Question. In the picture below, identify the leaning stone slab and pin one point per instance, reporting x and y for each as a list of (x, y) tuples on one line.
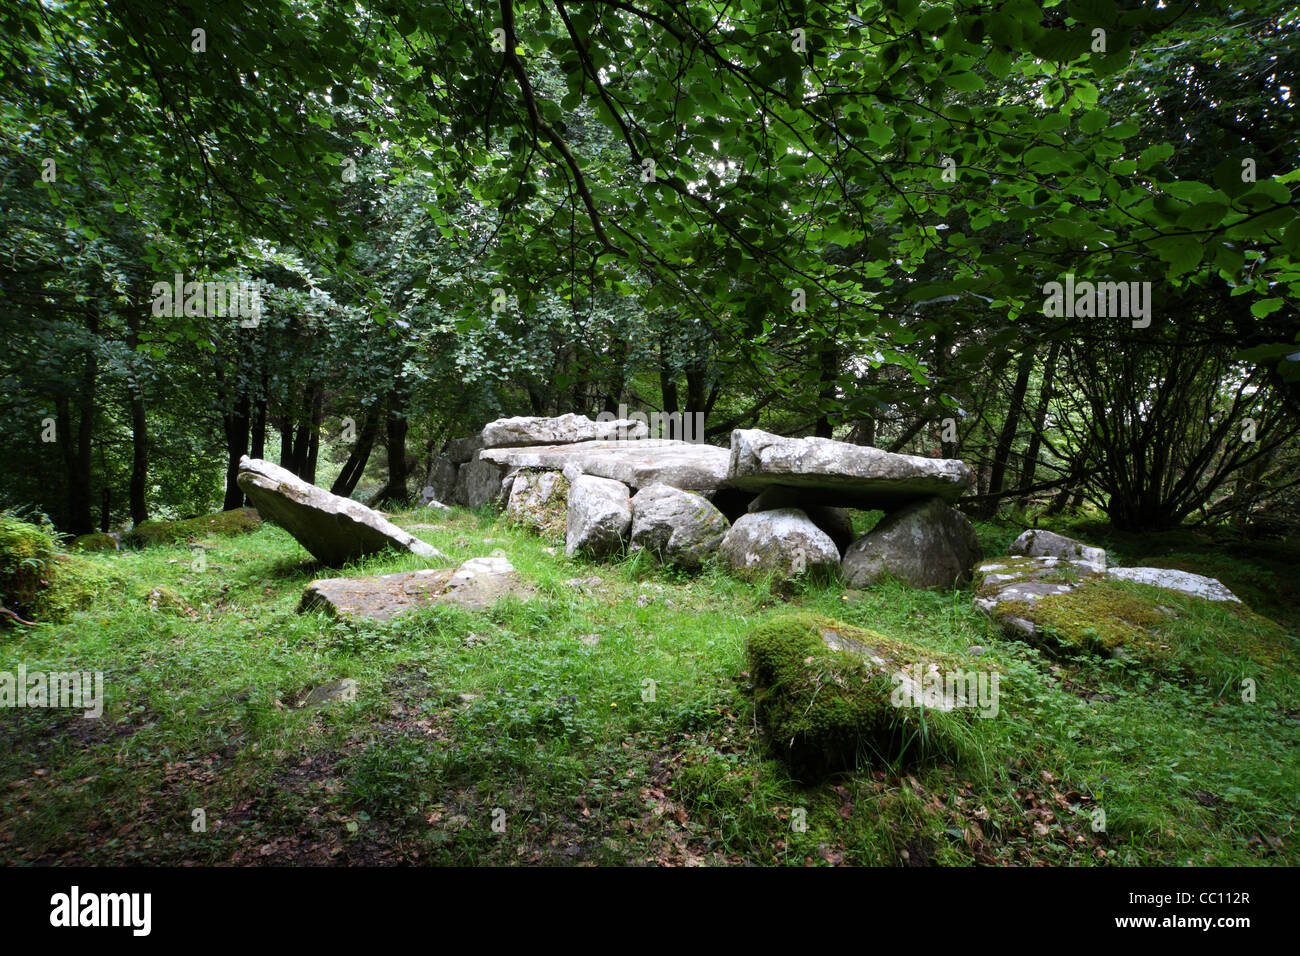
[(845, 475), (784, 543), (638, 464), (1196, 585), (679, 527), (561, 430), (477, 584), (598, 516), (929, 544), (1047, 544), (335, 530)]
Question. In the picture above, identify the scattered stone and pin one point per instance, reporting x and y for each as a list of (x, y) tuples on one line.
[(679, 527), (827, 694), (928, 544), (582, 584), (335, 530), (591, 640), (477, 584), (844, 475), (345, 690), (429, 499), (975, 650), (1047, 544), (1196, 585), (598, 516), (783, 543), (644, 600), (638, 464), (561, 430)]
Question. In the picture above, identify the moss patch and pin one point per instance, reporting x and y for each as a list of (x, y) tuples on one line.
[(235, 521), (829, 708), (27, 552), (94, 542), (1212, 640)]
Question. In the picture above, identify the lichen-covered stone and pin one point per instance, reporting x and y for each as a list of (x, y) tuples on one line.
[(679, 527), (783, 544), (1036, 543), (537, 502), (598, 516)]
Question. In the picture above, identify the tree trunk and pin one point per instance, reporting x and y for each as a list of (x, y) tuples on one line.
[(355, 466), (1040, 421), (1002, 452), (139, 430)]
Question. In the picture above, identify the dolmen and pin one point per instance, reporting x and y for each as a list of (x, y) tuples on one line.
[(767, 506)]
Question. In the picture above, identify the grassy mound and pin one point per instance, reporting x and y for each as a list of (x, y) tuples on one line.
[(825, 693), (235, 521), (94, 542), (37, 580)]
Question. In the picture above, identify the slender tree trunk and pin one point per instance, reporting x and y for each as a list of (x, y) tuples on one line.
[(355, 466), (1002, 452), (76, 451), (139, 429), (828, 360), (1040, 422)]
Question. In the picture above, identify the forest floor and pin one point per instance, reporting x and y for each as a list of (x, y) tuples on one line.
[(527, 735)]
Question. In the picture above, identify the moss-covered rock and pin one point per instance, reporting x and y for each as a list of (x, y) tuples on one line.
[(539, 501), (39, 581), (234, 521), (27, 552), (94, 542), (1063, 608), (825, 693)]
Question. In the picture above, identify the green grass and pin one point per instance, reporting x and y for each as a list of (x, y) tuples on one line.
[(640, 748)]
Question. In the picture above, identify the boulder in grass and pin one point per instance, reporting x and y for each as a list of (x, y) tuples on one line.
[(843, 475), (834, 521), (598, 516), (834, 697), (1048, 544), (679, 527), (928, 544), (1185, 582), (335, 530), (477, 584), (783, 543)]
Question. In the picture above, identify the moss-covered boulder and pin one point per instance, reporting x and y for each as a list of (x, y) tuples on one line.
[(234, 521), (539, 502), (27, 552), (37, 580), (1064, 606), (94, 542), (834, 697)]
